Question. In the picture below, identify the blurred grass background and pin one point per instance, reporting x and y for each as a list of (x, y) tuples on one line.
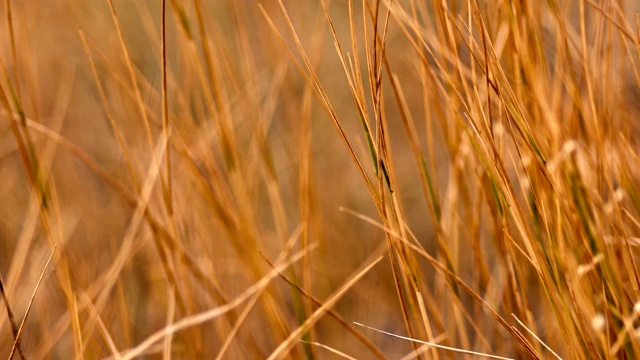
[(521, 183)]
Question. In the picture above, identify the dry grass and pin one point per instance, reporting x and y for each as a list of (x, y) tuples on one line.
[(244, 179)]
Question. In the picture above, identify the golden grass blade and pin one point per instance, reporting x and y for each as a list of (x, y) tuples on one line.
[(448, 348), (536, 337), (132, 75), (283, 349), (329, 348), (12, 319), (33, 296), (171, 312), (105, 332), (376, 351), (424, 348), (245, 312), (211, 314)]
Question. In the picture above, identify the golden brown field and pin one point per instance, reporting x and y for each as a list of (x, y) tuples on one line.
[(220, 179)]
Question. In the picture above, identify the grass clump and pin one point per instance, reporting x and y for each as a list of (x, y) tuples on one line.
[(306, 179)]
